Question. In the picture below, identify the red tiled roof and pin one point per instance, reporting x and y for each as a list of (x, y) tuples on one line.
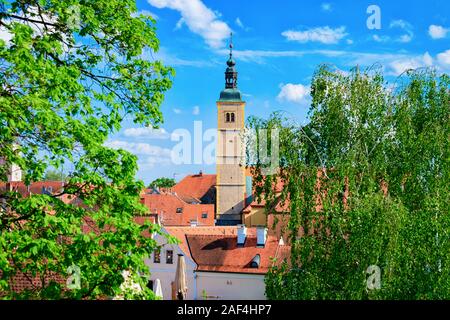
[(279, 207), (142, 219), (250, 172), (26, 281), (277, 224), (166, 205), (181, 232), (280, 213), (218, 253), (195, 186), (34, 187)]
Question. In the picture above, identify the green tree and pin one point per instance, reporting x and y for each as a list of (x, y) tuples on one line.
[(162, 183), (70, 72), (52, 175), (376, 157)]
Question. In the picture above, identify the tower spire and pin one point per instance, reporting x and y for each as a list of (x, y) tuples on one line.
[(230, 72), (231, 91), (231, 45)]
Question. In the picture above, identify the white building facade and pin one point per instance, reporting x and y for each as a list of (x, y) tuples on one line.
[(205, 284), (165, 269)]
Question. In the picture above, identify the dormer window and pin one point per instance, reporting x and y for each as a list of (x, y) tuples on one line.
[(47, 190), (255, 262), (179, 210)]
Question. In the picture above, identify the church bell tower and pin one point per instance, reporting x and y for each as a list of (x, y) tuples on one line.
[(230, 149)]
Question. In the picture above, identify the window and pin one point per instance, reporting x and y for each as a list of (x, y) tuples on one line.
[(204, 215), (255, 261), (179, 210), (229, 117), (157, 256), (169, 256)]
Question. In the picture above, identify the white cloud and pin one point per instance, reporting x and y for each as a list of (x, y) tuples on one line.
[(427, 59), (196, 110), (177, 111), (239, 23), (5, 35), (146, 13), (296, 93), (199, 19), (38, 29), (325, 35), (401, 65), (147, 132), (259, 55), (437, 32), (405, 38), (179, 24), (398, 23), (394, 63), (151, 162), (406, 27), (378, 38), (144, 149), (173, 60), (444, 59), (326, 7)]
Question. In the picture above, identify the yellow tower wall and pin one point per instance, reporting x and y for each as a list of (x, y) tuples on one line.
[(230, 161)]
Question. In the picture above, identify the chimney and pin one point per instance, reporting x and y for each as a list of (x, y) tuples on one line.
[(200, 173), (158, 219), (241, 234), (261, 236)]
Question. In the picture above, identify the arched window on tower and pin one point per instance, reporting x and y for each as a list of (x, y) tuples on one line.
[(232, 117), (227, 117)]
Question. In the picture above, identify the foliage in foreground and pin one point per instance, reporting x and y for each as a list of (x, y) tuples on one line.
[(70, 72), (162, 183), (377, 158)]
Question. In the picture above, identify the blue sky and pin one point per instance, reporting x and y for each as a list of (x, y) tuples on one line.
[(277, 46)]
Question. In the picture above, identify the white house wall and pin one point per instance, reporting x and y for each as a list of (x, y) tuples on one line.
[(230, 286), (166, 272), (216, 285)]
